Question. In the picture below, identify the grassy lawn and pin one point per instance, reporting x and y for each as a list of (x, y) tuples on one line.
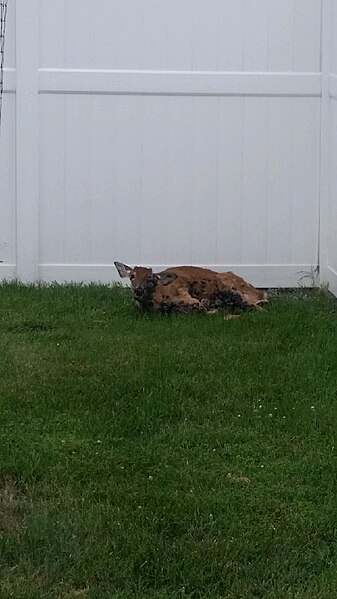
[(152, 457)]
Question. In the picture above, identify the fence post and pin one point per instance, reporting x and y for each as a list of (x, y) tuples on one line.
[(27, 139), (325, 143)]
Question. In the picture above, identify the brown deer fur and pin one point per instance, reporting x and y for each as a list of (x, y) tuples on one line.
[(190, 289)]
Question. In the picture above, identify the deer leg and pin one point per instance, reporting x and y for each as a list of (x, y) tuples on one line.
[(184, 303)]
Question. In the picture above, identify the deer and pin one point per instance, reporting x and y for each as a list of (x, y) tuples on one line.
[(189, 289)]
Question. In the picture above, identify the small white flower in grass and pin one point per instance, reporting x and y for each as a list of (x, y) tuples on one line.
[(262, 465), (63, 441), (284, 417), (312, 407), (98, 441), (150, 477), (270, 415), (260, 406), (239, 415)]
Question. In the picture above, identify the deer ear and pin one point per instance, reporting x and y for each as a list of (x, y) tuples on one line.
[(124, 271), (165, 278)]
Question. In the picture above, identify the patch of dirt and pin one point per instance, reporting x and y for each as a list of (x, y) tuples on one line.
[(239, 480), (29, 327), (25, 583), (66, 592), (13, 503)]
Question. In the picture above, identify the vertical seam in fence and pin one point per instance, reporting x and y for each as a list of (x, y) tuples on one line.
[(27, 139), (323, 241)]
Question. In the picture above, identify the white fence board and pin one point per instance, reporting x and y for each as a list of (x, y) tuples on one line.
[(8, 158), (10, 35), (332, 263), (209, 35), (7, 179), (328, 228), (333, 37), (116, 191), (191, 83), (27, 140)]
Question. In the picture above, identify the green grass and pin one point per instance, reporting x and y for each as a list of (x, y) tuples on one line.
[(152, 457)]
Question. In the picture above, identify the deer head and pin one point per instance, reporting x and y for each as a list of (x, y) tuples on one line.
[(143, 280)]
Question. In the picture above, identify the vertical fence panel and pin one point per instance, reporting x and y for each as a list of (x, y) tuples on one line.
[(27, 136), (328, 210)]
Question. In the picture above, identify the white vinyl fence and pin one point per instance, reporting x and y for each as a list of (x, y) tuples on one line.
[(328, 246), (165, 132)]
